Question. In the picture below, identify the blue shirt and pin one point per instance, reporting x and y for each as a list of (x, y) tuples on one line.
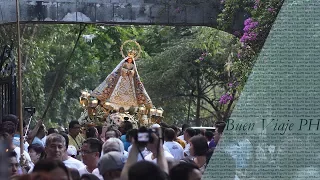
[(126, 144), (212, 144), (37, 140), (16, 142)]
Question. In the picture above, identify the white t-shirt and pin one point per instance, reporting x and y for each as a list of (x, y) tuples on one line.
[(145, 152), (175, 149), (95, 172), (73, 163), (165, 148), (149, 157), (26, 156), (187, 149)]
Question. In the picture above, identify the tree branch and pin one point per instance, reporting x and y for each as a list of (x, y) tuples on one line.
[(61, 73), (211, 112)]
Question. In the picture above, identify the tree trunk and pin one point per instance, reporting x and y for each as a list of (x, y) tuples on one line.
[(198, 98)]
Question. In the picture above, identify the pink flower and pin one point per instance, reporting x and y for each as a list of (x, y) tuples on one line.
[(247, 21), (248, 34), (224, 99)]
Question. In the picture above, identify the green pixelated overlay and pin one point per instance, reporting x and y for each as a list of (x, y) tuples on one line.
[(274, 130)]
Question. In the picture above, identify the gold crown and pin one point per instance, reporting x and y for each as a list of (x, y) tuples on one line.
[(132, 53)]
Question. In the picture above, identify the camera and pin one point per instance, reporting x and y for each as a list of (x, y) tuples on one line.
[(144, 136), (30, 110)]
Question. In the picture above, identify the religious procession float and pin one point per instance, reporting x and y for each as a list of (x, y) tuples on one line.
[(121, 96)]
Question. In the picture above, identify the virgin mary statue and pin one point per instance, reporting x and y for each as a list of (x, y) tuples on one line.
[(123, 87)]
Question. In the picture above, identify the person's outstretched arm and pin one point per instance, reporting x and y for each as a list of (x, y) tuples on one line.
[(132, 158), (161, 159)]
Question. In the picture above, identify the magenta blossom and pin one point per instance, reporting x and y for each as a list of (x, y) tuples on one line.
[(247, 21), (248, 34), (224, 99)]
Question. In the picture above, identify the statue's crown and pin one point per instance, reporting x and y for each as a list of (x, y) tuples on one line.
[(132, 53)]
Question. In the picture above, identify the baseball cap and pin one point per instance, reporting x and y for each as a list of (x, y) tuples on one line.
[(72, 151), (111, 161)]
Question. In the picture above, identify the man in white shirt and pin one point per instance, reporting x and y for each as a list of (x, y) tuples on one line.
[(174, 148), (153, 147), (90, 153), (188, 134), (69, 161), (55, 149), (143, 150), (184, 127), (153, 156)]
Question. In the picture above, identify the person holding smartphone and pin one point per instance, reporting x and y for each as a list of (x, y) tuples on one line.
[(156, 145)]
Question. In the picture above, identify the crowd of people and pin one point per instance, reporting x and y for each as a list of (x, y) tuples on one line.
[(158, 152)]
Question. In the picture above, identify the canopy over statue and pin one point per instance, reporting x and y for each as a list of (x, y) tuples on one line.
[(123, 87)]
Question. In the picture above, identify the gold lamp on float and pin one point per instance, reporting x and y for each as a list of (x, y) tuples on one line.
[(158, 117), (153, 111), (84, 98), (159, 112), (107, 107), (142, 109), (107, 103), (93, 103), (141, 114)]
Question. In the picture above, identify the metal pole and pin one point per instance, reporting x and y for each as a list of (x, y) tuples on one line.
[(19, 82)]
